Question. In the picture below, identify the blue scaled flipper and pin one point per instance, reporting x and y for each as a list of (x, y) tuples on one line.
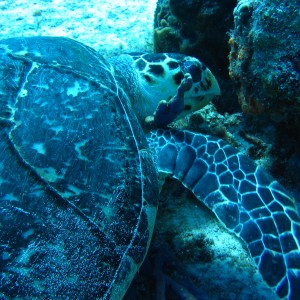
[(248, 201)]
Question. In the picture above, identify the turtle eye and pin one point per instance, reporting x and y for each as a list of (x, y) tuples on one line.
[(196, 90), (187, 107)]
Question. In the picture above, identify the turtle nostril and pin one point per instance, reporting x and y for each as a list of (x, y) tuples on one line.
[(196, 90)]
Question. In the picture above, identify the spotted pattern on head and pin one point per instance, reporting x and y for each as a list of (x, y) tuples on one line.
[(162, 73)]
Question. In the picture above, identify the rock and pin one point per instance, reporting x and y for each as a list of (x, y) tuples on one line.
[(265, 56)]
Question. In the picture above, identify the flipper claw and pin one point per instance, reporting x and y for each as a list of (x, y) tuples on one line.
[(166, 112)]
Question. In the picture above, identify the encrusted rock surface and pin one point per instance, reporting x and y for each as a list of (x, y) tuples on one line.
[(265, 56)]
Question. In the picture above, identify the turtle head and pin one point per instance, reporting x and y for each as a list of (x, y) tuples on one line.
[(162, 73)]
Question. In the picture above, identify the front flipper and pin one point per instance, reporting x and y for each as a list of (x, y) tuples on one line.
[(248, 201), (167, 111)]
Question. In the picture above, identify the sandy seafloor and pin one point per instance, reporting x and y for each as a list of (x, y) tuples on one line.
[(112, 27)]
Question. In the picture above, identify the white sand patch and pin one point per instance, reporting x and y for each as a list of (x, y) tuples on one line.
[(111, 27)]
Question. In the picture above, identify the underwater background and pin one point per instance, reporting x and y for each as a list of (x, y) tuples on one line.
[(253, 48)]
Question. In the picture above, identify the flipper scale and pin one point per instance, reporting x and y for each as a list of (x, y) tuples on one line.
[(247, 200)]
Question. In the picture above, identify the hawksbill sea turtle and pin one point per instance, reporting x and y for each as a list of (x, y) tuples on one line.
[(79, 178)]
